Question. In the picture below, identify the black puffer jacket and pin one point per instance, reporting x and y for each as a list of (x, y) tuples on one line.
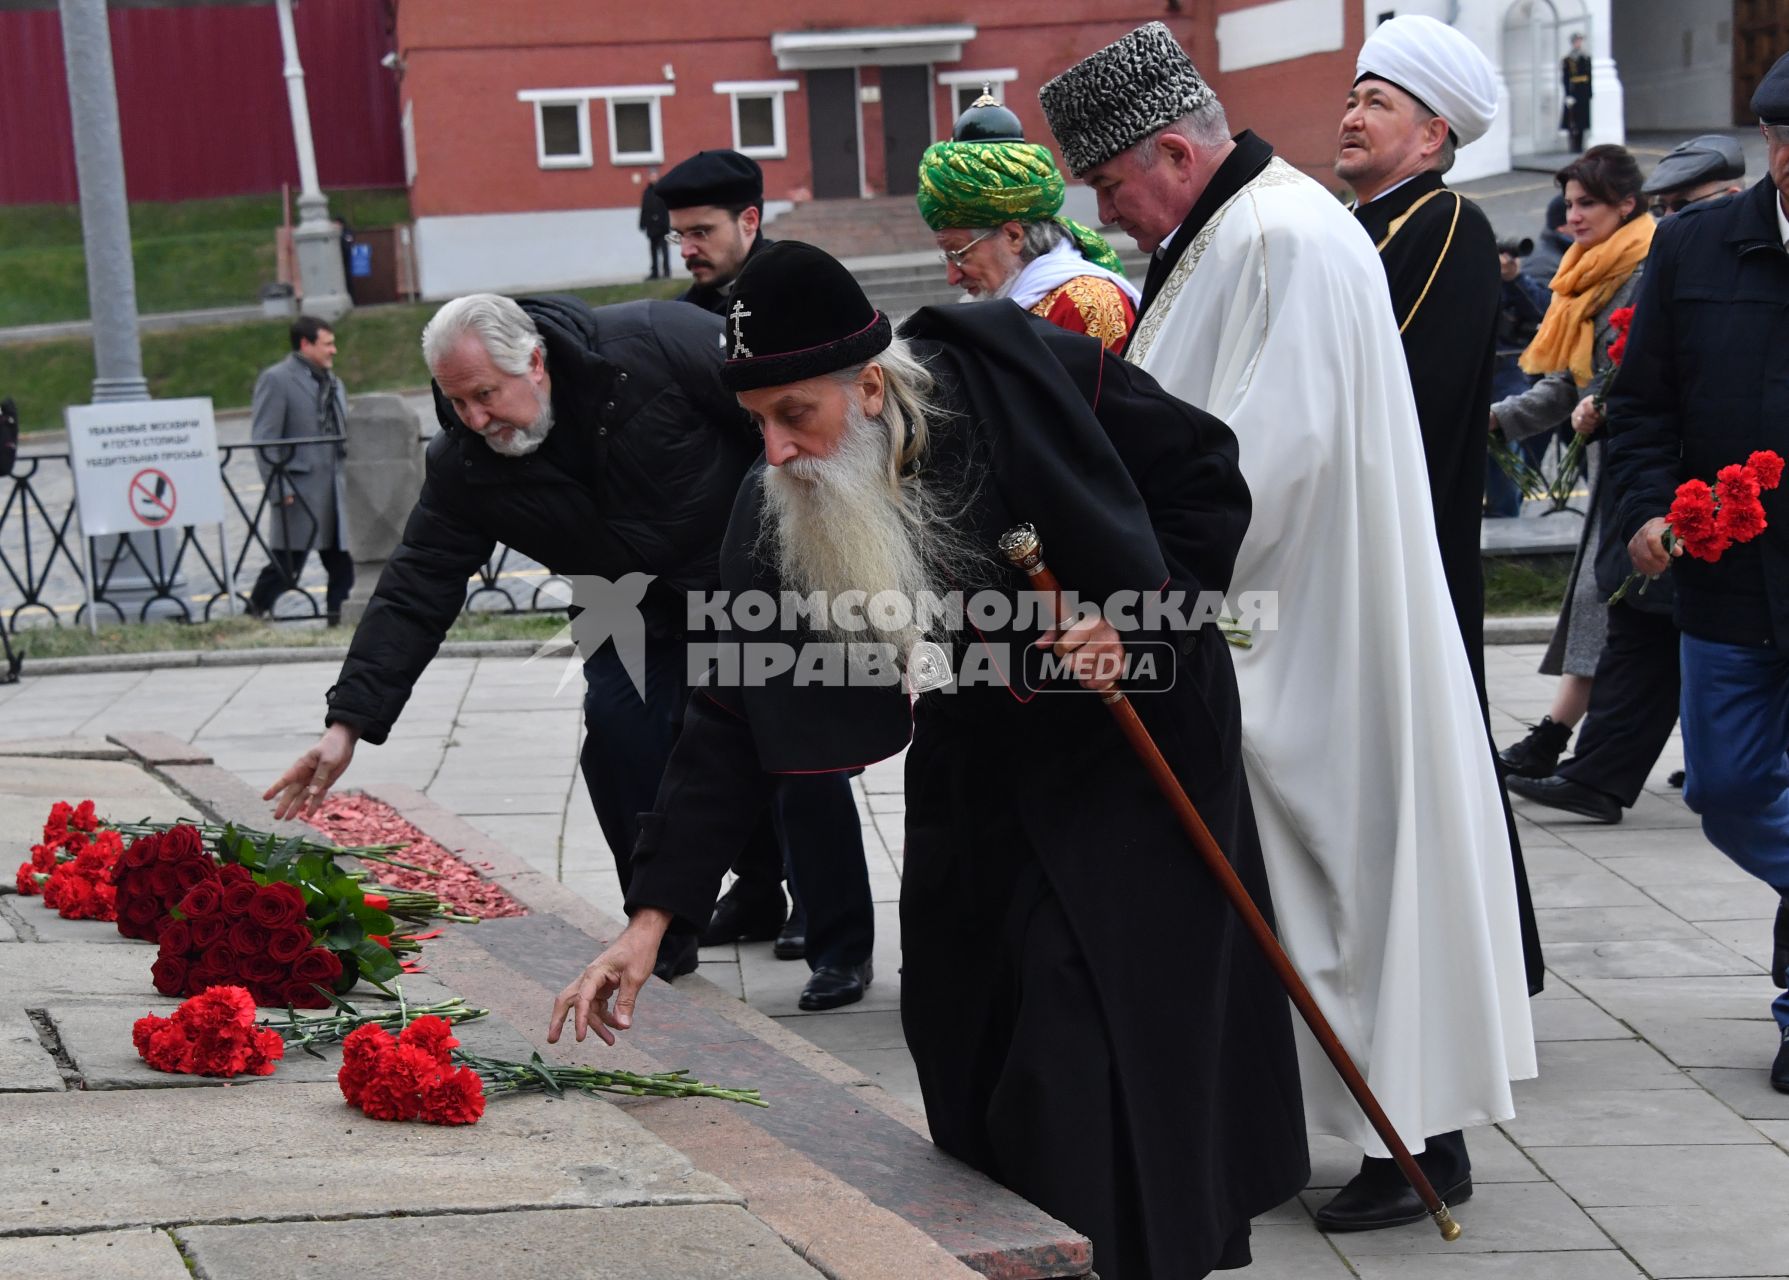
[(1705, 383), (637, 475)]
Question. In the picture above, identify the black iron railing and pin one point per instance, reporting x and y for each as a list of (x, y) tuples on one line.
[(43, 567)]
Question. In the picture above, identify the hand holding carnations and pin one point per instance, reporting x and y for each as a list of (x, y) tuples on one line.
[(1703, 521)]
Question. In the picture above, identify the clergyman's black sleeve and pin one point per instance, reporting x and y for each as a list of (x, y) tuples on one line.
[(711, 798)]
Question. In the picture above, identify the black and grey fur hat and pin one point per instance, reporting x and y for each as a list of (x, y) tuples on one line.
[(1112, 100)]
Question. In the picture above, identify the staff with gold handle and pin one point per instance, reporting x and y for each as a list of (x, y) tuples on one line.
[(1023, 548)]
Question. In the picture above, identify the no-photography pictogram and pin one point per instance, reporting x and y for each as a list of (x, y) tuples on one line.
[(152, 497)]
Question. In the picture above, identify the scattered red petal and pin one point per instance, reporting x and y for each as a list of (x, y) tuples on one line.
[(361, 820)]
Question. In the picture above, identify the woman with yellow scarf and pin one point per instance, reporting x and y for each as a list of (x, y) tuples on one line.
[(1599, 275)]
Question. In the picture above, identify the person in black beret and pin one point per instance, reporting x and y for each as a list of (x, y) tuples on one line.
[(716, 199), (1705, 384), (1046, 886)]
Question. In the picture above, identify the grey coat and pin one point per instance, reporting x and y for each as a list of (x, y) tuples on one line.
[(1584, 621), (293, 403)]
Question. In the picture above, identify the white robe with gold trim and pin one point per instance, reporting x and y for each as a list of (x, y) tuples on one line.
[(1366, 755)]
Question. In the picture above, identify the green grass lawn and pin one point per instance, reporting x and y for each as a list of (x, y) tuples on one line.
[(378, 351), (189, 255)]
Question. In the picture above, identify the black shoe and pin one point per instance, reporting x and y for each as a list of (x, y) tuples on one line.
[(1537, 755), (792, 942), (1562, 793), (676, 956), (1779, 1070), (737, 919), (834, 985), (1675, 780), (1370, 1202), (1779, 945)]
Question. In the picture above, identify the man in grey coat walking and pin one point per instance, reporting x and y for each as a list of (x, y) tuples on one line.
[(301, 400)]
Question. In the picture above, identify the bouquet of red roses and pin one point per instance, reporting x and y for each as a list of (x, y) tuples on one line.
[(229, 930), (1706, 521), (212, 1034), (155, 873)]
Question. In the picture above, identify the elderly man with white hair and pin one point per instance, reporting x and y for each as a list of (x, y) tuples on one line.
[(600, 443)]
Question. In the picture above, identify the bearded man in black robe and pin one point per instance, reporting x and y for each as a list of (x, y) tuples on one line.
[(1047, 886)]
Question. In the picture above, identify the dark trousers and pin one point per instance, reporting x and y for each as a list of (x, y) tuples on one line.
[(660, 249), (827, 874), (1633, 705), (282, 572), (626, 744)]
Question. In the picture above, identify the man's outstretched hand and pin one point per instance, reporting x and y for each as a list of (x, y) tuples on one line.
[(301, 788), (619, 972)]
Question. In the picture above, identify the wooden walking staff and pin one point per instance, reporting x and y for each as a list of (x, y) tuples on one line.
[(1021, 546)]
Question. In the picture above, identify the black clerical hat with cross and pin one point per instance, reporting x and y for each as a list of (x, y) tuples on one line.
[(796, 314)]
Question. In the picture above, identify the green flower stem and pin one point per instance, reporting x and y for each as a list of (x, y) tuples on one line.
[(523, 1077), (307, 1030)]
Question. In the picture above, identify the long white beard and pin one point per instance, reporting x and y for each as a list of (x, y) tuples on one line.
[(837, 525), (524, 439)]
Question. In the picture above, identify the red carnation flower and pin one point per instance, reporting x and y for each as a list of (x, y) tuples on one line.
[(55, 827), (361, 1051), (1767, 466), (277, 904), (84, 818), (142, 1029), (26, 883), (43, 857), (434, 1036), (456, 1097)]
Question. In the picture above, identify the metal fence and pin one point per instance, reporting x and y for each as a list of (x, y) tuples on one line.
[(187, 574)]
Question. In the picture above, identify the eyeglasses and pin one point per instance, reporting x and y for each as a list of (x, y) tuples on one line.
[(695, 235), (956, 257), (1670, 205)]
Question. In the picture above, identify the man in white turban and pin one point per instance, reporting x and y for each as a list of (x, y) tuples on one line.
[(1421, 90)]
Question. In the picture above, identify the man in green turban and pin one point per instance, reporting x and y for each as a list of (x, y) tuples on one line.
[(994, 201)]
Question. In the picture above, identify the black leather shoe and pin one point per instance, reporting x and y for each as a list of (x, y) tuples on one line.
[(737, 919), (1675, 779), (676, 956), (1779, 945), (792, 942), (1370, 1203), (1573, 797), (834, 985), (1537, 755), (1779, 1070)]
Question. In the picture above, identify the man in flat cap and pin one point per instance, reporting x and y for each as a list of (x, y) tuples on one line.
[(1704, 168), (995, 202), (1382, 830), (716, 199), (1031, 972), (1705, 382)]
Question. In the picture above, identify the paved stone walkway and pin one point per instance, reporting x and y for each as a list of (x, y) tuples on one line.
[(1650, 1146)]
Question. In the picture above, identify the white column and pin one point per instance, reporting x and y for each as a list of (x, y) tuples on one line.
[(316, 242), (1608, 104)]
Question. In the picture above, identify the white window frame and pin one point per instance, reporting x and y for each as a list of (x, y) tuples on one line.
[(611, 94), (956, 80), (772, 89)]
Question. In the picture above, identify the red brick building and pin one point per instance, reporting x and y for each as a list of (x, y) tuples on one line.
[(530, 126)]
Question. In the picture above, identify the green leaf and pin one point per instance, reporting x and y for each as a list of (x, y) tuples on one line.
[(376, 963), (374, 921)]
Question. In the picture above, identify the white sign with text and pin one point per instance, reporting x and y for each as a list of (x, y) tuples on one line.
[(145, 464)]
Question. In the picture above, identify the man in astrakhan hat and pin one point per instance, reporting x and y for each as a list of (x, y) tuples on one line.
[(1047, 886), (1382, 826), (995, 202)]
